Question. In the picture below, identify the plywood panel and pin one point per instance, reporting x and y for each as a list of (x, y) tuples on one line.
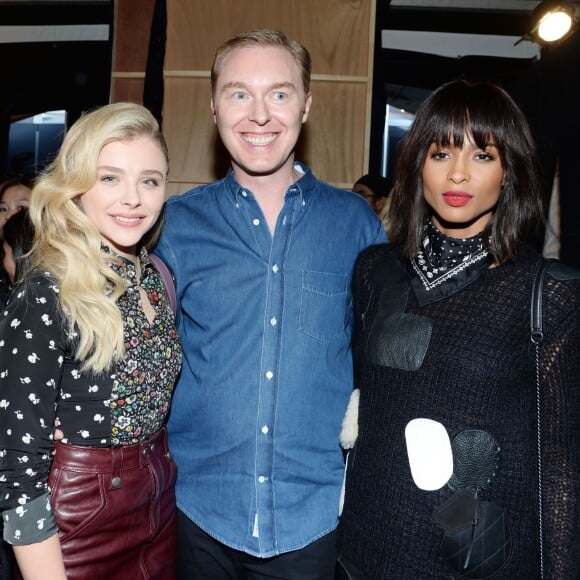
[(179, 188), (192, 139), (339, 36), (127, 89), (335, 32), (132, 28), (333, 143)]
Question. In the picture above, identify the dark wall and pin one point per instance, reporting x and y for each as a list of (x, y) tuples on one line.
[(37, 77)]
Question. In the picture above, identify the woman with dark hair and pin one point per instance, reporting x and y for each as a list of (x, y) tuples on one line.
[(375, 189), (14, 196), (449, 476), (18, 237)]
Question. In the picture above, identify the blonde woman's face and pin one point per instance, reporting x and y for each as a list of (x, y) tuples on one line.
[(127, 198)]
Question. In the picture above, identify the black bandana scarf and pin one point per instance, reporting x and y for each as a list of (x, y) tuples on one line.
[(445, 265)]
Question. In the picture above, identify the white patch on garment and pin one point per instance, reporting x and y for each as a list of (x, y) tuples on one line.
[(429, 452), (349, 431)]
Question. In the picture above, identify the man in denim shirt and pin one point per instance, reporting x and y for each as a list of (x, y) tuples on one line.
[(262, 262)]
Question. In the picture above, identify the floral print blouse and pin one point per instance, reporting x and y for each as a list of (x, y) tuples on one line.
[(41, 382)]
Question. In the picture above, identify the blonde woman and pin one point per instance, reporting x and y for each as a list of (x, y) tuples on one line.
[(88, 342)]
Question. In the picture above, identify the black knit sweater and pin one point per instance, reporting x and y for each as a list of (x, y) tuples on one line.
[(478, 373)]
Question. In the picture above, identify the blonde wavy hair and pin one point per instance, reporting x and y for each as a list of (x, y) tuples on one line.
[(68, 245)]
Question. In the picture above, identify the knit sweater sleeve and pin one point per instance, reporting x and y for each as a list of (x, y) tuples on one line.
[(361, 293), (560, 428)]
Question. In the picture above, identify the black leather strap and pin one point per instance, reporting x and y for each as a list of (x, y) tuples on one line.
[(536, 303)]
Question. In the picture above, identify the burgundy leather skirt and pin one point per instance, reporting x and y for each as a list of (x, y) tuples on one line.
[(115, 509)]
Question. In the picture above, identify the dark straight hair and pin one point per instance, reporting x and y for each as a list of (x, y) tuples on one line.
[(19, 235), (484, 112)]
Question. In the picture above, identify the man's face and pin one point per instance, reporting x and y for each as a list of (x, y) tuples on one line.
[(259, 105)]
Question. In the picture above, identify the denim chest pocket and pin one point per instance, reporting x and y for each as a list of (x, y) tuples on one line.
[(323, 304)]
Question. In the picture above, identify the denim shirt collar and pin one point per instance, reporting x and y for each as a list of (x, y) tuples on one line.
[(303, 187)]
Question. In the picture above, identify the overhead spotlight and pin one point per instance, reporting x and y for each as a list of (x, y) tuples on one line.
[(553, 20)]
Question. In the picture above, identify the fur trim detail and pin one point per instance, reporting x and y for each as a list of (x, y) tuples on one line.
[(349, 431)]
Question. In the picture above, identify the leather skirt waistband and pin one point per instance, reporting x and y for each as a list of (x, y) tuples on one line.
[(111, 459)]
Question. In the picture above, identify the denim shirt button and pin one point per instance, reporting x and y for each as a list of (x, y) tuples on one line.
[(262, 479), (273, 321), (269, 375), (256, 221), (275, 268), (265, 429)]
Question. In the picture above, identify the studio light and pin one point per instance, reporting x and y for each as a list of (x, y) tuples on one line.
[(553, 20)]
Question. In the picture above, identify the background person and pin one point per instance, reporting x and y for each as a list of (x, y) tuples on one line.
[(443, 334), (14, 196), (263, 278), (18, 237), (87, 342), (376, 189)]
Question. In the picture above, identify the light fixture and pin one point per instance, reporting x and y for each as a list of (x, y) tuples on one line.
[(552, 21), (555, 22)]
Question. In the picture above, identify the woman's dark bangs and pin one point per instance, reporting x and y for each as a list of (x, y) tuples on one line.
[(483, 128), (450, 125)]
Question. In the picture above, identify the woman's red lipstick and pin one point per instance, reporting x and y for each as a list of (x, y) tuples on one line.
[(456, 198)]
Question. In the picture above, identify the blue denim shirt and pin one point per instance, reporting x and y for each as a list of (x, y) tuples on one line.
[(265, 323)]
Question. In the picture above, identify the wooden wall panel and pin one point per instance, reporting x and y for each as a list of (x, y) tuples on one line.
[(339, 35), (336, 32), (333, 139), (190, 131), (198, 157), (131, 43), (127, 89)]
